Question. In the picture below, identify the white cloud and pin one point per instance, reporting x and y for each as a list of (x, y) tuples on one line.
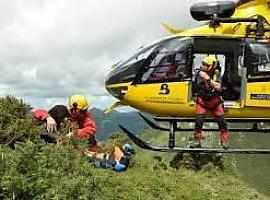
[(52, 49)]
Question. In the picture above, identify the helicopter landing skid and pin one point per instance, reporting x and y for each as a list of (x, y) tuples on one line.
[(171, 142), (254, 128), (148, 146)]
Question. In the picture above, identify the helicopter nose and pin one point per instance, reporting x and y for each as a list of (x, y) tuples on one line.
[(114, 86), (110, 79), (118, 92), (113, 78)]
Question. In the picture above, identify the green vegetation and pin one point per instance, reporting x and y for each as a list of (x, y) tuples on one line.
[(255, 169), (15, 125), (39, 171), (32, 169)]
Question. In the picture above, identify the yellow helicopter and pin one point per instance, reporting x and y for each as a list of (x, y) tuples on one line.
[(238, 35)]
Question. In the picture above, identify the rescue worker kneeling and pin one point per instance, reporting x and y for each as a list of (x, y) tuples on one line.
[(209, 98), (118, 160), (81, 123)]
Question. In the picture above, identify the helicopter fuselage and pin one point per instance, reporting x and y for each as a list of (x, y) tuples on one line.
[(148, 98), (159, 78)]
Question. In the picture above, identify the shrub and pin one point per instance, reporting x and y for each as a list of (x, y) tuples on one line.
[(15, 123), (39, 171)]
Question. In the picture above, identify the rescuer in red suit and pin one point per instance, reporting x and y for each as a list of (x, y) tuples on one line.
[(77, 113), (209, 99)]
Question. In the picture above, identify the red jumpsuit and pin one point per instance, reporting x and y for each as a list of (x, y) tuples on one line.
[(207, 102), (87, 126)]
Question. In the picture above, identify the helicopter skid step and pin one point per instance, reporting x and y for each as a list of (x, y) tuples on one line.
[(207, 119), (175, 120), (148, 146)]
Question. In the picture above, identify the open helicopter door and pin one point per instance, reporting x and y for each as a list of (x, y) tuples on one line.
[(229, 71)]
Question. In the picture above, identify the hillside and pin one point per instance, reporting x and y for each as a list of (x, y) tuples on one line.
[(32, 169), (108, 124)]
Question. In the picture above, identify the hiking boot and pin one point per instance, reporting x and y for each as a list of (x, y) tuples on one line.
[(224, 144), (195, 144)]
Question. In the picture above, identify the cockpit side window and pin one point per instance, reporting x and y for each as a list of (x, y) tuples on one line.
[(258, 62)]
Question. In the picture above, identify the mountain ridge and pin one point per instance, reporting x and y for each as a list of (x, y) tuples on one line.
[(108, 124)]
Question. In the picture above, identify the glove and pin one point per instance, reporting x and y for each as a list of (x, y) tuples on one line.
[(51, 125)]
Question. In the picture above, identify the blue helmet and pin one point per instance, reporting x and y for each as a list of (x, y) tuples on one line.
[(119, 167), (128, 148)]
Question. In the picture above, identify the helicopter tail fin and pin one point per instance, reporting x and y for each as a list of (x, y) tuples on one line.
[(171, 29)]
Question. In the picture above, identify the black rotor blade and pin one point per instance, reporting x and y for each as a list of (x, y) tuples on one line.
[(135, 139), (152, 124)]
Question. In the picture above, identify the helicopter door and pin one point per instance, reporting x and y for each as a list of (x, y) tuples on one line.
[(257, 61)]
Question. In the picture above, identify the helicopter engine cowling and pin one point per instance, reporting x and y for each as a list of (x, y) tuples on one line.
[(205, 10)]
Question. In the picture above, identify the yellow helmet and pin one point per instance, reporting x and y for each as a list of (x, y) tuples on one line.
[(209, 60), (78, 101)]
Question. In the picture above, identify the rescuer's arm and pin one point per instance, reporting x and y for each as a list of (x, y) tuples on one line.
[(215, 85), (87, 126), (43, 115), (210, 82)]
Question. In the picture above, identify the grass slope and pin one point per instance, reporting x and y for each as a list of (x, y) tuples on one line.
[(30, 169), (39, 171)]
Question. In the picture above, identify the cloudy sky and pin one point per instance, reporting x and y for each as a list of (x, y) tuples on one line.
[(51, 49)]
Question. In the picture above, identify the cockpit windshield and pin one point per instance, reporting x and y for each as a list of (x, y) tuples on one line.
[(150, 62), (144, 52)]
